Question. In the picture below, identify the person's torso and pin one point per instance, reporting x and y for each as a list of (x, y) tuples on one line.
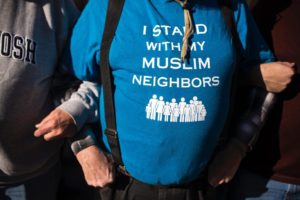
[(32, 35), (169, 114)]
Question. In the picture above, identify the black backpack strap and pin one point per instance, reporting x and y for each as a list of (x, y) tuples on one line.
[(113, 15)]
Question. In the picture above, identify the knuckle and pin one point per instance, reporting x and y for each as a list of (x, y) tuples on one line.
[(59, 131), (110, 180), (291, 71), (47, 138), (52, 134), (95, 185), (52, 124), (282, 88), (56, 123), (90, 183), (101, 184), (286, 82)]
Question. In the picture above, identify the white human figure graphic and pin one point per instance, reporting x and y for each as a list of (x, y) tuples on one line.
[(153, 105), (172, 105), (195, 102), (176, 113), (160, 108), (200, 111), (167, 111), (148, 111), (195, 99), (192, 111), (203, 113), (181, 104), (187, 113)]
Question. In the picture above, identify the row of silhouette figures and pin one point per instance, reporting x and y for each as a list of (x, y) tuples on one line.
[(161, 110)]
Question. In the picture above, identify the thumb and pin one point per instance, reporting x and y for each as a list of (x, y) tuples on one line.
[(288, 64)]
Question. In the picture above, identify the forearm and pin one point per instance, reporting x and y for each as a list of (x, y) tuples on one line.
[(245, 132), (251, 76)]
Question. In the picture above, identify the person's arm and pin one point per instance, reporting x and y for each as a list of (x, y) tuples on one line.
[(97, 166), (245, 130), (75, 108), (259, 102), (71, 115), (258, 67), (78, 106), (256, 57), (84, 56), (274, 76)]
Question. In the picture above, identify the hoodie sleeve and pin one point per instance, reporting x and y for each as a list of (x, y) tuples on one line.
[(83, 104), (79, 102)]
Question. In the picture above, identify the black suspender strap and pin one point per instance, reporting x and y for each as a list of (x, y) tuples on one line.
[(228, 15), (112, 18), (114, 11)]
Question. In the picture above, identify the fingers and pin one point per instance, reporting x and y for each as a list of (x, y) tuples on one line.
[(224, 165), (56, 125), (99, 182), (56, 134), (287, 70), (215, 173), (217, 176), (45, 127), (97, 168), (219, 179), (213, 181), (101, 176), (277, 75), (222, 181), (52, 130), (289, 64), (49, 129)]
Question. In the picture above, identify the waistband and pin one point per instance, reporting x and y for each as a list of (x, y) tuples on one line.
[(200, 182)]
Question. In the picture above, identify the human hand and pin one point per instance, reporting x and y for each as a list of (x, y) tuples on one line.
[(97, 167), (57, 124), (277, 75), (225, 164)]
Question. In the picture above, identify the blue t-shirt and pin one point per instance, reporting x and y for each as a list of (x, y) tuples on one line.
[(169, 114)]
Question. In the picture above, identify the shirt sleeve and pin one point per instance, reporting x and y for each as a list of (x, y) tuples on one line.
[(84, 46), (254, 50)]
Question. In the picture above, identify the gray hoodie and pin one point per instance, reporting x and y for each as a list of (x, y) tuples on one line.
[(32, 36)]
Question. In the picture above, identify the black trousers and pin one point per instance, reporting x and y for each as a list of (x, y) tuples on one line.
[(127, 188)]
